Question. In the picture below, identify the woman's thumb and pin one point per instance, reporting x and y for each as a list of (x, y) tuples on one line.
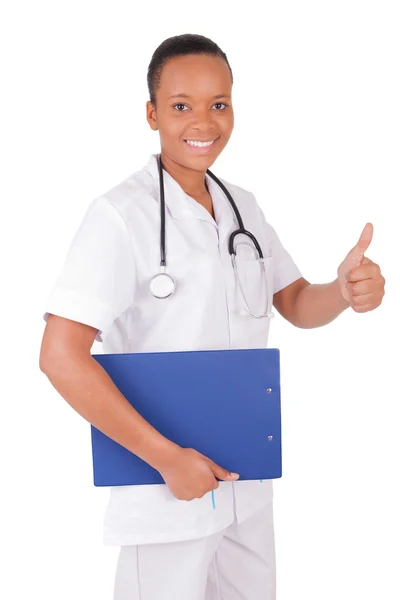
[(223, 474)]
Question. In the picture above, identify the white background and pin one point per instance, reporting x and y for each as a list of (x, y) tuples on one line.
[(316, 99)]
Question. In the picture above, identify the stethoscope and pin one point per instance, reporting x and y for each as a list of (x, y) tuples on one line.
[(162, 284)]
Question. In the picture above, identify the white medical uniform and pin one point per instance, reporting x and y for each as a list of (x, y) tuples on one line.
[(104, 283)]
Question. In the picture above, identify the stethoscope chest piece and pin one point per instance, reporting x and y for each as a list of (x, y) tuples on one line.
[(162, 285)]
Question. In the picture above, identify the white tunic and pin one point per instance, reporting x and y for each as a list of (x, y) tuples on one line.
[(104, 283)]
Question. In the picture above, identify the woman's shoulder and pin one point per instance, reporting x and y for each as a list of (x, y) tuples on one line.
[(243, 198), (131, 191)]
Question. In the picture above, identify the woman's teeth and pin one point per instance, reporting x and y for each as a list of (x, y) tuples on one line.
[(200, 144)]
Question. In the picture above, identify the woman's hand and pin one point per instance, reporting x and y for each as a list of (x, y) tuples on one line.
[(361, 282), (190, 474)]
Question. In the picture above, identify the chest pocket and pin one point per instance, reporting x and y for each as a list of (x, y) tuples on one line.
[(252, 284)]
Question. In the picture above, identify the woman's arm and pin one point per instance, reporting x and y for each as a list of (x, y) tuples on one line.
[(309, 305), (66, 360)]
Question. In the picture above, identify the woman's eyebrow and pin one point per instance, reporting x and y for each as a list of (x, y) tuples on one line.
[(187, 96)]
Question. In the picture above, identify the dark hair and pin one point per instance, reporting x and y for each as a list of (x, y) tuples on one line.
[(179, 45)]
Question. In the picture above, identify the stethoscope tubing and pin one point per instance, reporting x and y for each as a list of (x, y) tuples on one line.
[(238, 216), (232, 251)]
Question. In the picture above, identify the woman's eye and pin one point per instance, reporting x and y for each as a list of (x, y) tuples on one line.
[(221, 104), (178, 109)]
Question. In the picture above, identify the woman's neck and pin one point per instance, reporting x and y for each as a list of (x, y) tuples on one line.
[(192, 182)]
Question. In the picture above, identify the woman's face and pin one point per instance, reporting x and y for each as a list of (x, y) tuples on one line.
[(193, 104)]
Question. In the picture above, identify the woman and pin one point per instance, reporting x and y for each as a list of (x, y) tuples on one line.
[(175, 543)]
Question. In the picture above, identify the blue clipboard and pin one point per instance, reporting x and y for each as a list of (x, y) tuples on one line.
[(223, 403)]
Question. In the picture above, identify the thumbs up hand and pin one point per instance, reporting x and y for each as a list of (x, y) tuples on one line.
[(361, 282)]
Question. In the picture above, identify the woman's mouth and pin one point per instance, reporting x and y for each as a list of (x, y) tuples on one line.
[(201, 146)]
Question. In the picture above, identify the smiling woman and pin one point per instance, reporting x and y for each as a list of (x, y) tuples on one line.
[(203, 531)]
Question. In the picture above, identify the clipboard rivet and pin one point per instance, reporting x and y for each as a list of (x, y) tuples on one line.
[(270, 438), (269, 390)]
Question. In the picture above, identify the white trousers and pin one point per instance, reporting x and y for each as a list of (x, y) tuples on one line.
[(237, 563)]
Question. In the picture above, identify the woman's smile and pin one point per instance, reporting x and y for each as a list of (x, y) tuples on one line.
[(199, 146)]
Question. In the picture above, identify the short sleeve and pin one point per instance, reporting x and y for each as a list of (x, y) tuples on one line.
[(96, 283), (285, 269)]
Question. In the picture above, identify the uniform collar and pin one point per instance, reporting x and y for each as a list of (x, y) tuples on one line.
[(182, 206)]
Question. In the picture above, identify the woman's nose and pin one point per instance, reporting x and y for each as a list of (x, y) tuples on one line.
[(202, 119)]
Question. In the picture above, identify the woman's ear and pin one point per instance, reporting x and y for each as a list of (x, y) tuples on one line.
[(151, 115)]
